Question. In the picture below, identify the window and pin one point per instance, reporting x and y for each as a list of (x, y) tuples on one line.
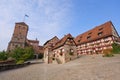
[(79, 40), (68, 39), (16, 46), (89, 33), (71, 52), (100, 33), (61, 52), (53, 55), (19, 27), (23, 28), (18, 39), (88, 37), (20, 33), (100, 29), (80, 36), (13, 44)]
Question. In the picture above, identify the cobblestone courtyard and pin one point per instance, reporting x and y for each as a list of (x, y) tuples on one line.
[(90, 67)]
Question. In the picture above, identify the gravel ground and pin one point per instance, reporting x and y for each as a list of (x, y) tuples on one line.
[(87, 67)]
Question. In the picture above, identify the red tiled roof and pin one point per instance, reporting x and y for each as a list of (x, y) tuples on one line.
[(62, 41), (98, 32), (51, 40)]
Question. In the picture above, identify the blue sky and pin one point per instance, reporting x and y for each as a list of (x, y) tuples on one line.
[(49, 18)]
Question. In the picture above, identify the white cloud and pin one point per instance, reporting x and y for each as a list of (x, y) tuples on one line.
[(45, 18)]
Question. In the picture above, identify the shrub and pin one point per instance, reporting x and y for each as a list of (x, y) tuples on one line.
[(20, 61), (116, 48)]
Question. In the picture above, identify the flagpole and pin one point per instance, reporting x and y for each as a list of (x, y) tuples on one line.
[(25, 17)]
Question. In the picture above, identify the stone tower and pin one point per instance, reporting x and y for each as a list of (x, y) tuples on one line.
[(19, 36)]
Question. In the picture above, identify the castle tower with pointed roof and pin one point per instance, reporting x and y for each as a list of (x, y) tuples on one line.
[(19, 36)]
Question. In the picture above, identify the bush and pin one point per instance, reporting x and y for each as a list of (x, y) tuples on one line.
[(20, 62), (116, 48)]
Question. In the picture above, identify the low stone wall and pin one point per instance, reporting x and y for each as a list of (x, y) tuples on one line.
[(7, 62), (11, 66)]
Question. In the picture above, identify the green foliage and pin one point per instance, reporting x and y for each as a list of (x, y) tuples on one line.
[(110, 52), (20, 62), (17, 53), (20, 54), (3, 56), (116, 48), (29, 53)]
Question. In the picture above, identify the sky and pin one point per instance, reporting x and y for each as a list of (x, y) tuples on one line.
[(49, 18)]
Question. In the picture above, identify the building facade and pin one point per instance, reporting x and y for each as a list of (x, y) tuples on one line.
[(64, 50), (94, 41), (97, 40), (48, 46), (60, 51)]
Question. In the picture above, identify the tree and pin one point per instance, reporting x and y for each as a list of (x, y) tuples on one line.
[(17, 53), (28, 53), (3, 56), (21, 55)]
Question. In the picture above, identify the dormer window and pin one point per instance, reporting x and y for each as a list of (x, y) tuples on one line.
[(79, 40), (100, 33), (68, 39), (100, 29), (89, 33), (80, 36), (88, 37)]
